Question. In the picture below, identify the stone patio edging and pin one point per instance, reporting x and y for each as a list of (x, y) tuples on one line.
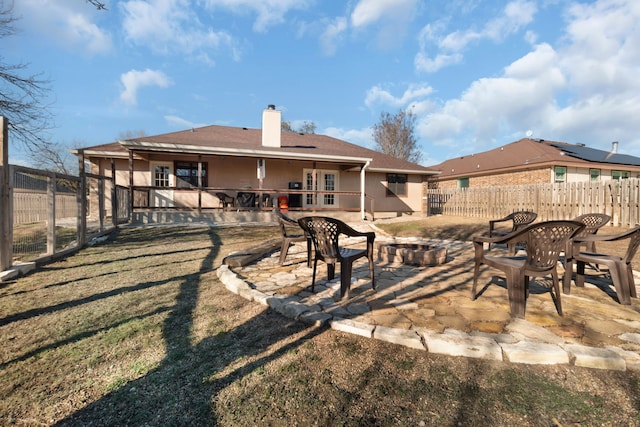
[(511, 347)]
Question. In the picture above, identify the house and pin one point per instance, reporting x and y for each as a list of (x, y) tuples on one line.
[(257, 169), (535, 161)]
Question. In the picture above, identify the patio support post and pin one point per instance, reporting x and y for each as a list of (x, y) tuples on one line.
[(363, 214), (81, 197), (101, 200), (6, 205), (314, 185), (51, 214), (199, 183), (131, 184), (261, 168), (114, 195)]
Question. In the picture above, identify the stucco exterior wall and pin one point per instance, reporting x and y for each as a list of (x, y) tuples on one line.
[(241, 173)]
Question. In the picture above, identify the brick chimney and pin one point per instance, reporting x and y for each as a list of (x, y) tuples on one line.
[(271, 127)]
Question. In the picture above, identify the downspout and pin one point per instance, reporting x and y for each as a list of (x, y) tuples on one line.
[(362, 190)]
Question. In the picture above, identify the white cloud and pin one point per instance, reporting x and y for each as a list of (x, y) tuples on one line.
[(391, 18), (424, 63), (269, 12), (379, 96), (583, 90), (180, 123), (170, 26), (516, 99), (516, 15), (67, 23), (368, 12), (362, 137), (333, 32), (80, 30), (133, 80)]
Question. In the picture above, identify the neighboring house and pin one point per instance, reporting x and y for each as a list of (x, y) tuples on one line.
[(332, 174), (535, 161)]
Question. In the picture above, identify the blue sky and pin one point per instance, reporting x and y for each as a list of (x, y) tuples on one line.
[(477, 74)]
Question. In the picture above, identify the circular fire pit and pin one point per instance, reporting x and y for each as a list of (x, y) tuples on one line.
[(420, 254)]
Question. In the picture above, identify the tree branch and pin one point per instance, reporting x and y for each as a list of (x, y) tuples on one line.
[(97, 4)]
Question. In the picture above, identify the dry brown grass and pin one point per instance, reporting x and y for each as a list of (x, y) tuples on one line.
[(139, 331)]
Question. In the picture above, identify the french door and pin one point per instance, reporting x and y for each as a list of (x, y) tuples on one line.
[(326, 180)]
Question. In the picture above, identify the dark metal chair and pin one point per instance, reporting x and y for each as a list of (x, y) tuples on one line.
[(544, 242), (225, 200), (324, 233), (519, 220), (618, 267), (291, 233)]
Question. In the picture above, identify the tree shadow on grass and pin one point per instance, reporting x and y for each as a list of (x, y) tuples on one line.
[(180, 391)]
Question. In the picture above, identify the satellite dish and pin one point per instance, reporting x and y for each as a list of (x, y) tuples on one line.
[(529, 133)]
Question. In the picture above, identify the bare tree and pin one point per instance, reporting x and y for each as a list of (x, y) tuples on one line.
[(395, 135), (21, 96), (56, 157), (131, 134), (286, 126), (306, 127)]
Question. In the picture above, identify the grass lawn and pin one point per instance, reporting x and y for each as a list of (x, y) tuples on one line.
[(139, 331)]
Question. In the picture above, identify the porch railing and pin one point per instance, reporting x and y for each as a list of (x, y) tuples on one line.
[(265, 199)]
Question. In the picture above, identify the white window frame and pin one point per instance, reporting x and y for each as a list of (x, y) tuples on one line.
[(152, 171), (161, 197)]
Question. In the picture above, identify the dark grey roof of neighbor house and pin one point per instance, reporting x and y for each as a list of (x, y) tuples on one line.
[(527, 154), (226, 140)]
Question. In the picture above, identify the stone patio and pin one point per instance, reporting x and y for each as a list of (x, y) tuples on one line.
[(430, 308)]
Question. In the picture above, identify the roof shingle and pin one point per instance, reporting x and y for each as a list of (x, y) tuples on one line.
[(249, 142)]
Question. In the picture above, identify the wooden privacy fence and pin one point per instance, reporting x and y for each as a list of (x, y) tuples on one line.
[(619, 199), (33, 207)]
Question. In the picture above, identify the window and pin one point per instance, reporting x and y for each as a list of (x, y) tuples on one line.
[(560, 174), (329, 185), (618, 175), (161, 174), (594, 175), (187, 174), (396, 184), (463, 182), (309, 186)]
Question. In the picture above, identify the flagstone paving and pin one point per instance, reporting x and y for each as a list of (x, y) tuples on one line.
[(430, 308)]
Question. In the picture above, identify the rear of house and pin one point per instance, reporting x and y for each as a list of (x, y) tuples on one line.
[(259, 169)]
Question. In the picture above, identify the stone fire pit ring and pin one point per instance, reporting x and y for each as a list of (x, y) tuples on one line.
[(415, 253)]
